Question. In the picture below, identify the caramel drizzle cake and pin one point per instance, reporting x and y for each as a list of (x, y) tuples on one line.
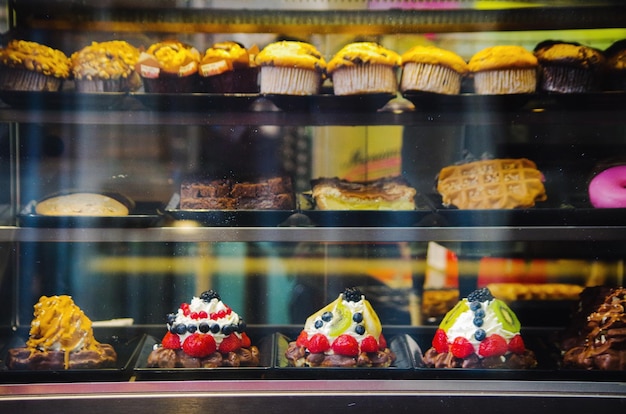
[(391, 193), (492, 184)]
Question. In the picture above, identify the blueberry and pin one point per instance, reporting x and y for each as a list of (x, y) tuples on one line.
[(180, 329), (357, 317), (171, 318), (214, 328), (352, 294), (204, 327), (241, 326), (480, 313), (228, 329), (475, 305), (327, 316), (360, 329), (318, 323), (478, 321), (208, 295), (191, 328), (480, 334)]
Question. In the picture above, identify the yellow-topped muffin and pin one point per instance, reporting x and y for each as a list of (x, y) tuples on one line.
[(432, 69), (506, 69), (30, 66), (364, 67), (106, 67), (169, 66), (229, 67), (291, 68)]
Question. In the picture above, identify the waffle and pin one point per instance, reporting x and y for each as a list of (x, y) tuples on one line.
[(492, 184)]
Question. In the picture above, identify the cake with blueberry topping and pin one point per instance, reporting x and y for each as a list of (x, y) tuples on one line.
[(345, 333), (204, 333), (479, 332)]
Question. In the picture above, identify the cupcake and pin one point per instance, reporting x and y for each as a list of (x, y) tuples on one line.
[(227, 67), (364, 67), (30, 66), (568, 67), (204, 333), (616, 66), (479, 332), (106, 67), (169, 67), (291, 68), (501, 70), (431, 69), (344, 333)]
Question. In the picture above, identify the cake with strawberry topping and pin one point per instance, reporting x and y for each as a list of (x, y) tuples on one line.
[(204, 333), (479, 332), (345, 333)]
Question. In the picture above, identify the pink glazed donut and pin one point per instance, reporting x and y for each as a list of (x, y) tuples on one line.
[(608, 188)]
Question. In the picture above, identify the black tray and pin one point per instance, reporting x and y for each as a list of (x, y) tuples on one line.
[(371, 218), (464, 102), (196, 102), (258, 336), (63, 100), (125, 341), (408, 357), (331, 103)]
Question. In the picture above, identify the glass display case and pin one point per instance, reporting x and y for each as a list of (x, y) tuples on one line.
[(277, 267)]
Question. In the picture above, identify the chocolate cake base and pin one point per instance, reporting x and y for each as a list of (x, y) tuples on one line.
[(28, 359), (433, 359), (297, 356), (177, 358)]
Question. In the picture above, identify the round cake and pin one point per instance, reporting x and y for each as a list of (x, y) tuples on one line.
[(432, 69), (61, 337), (169, 67), (81, 204), (106, 67), (291, 68), (479, 332), (568, 67), (364, 67), (228, 67), (344, 333), (501, 70), (204, 333), (30, 66)]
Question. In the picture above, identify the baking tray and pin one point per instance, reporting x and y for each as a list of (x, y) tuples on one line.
[(142, 214), (258, 335), (408, 357), (464, 102), (330, 103), (196, 102), (63, 100), (125, 341)]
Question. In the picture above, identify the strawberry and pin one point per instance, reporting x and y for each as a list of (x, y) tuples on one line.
[(369, 344), (245, 340), (303, 339), (346, 345), (199, 345), (318, 344), (516, 345), (171, 341), (230, 343), (461, 347), (382, 342), (440, 341), (493, 345)]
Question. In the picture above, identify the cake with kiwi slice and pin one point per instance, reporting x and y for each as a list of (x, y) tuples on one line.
[(479, 332), (345, 333)]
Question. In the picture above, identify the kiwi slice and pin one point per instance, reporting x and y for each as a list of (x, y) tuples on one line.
[(506, 316), (453, 314), (371, 321), (341, 321)]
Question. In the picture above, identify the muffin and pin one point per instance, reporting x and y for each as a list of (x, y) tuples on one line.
[(30, 66), (106, 67), (616, 66), (61, 337), (364, 67), (432, 69), (227, 67), (502, 70), (204, 333), (344, 333), (169, 67), (479, 332), (291, 68), (568, 67)]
